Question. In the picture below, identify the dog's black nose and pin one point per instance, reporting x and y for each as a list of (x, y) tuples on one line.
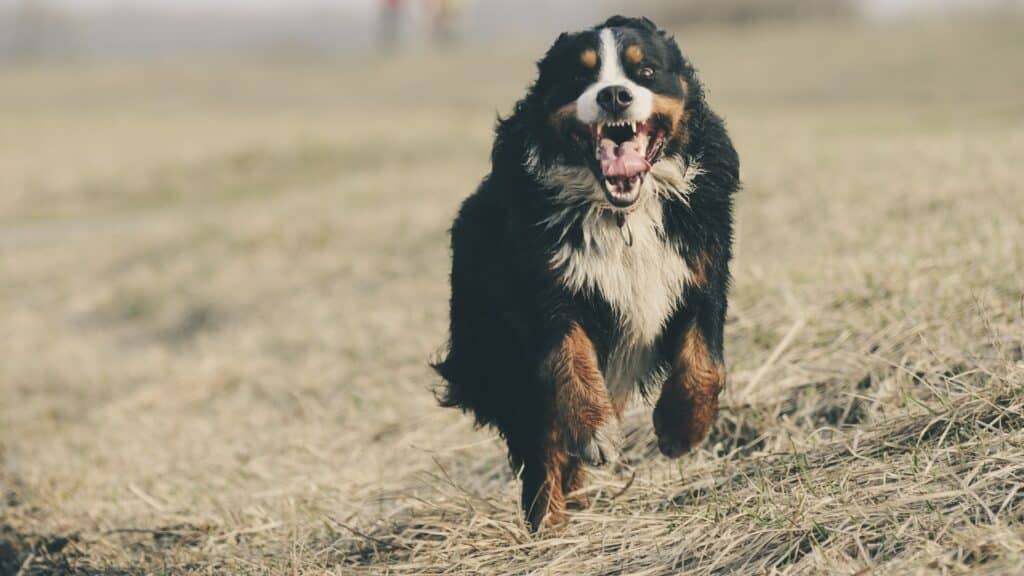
[(614, 98)]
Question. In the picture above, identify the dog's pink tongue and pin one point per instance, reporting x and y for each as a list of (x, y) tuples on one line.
[(623, 160)]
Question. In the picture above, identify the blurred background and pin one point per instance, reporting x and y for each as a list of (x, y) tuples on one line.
[(223, 267), (98, 29)]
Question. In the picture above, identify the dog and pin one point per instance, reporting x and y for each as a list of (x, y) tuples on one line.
[(593, 261)]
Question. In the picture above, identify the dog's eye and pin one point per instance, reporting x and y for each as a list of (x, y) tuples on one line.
[(646, 72)]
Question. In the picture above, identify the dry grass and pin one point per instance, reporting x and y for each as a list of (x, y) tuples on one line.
[(221, 284)]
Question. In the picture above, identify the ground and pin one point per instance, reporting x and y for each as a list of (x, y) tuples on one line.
[(221, 283)]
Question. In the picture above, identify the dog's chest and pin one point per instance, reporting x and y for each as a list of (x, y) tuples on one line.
[(642, 281)]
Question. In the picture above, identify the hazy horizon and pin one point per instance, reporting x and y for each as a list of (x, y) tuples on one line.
[(118, 28), (369, 6)]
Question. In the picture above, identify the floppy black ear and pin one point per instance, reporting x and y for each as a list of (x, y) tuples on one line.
[(562, 39), (619, 21)]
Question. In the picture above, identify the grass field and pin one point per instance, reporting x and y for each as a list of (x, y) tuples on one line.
[(220, 285)]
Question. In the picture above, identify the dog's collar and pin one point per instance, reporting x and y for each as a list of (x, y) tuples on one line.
[(627, 232)]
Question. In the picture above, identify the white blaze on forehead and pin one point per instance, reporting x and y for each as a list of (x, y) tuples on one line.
[(611, 68), (612, 74)]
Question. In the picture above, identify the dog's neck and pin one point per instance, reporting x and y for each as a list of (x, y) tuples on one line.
[(626, 258), (577, 192)]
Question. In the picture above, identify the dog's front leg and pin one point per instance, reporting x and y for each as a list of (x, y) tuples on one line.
[(688, 403), (585, 416), (581, 427)]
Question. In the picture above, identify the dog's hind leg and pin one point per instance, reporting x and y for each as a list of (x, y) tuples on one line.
[(543, 498)]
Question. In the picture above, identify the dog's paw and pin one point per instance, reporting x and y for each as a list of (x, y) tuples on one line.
[(602, 447), (682, 424)]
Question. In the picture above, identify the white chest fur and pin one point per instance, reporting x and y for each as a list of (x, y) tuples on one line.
[(642, 282)]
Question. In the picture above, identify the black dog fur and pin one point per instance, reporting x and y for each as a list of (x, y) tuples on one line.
[(513, 314)]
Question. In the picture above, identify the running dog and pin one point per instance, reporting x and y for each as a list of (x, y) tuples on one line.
[(593, 261)]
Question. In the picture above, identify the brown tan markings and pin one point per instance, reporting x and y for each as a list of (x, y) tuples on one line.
[(564, 114), (634, 54), (581, 395), (689, 398), (548, 505), (589, 58), (675, 110), (573, 478), (698, 266), (581, 407)]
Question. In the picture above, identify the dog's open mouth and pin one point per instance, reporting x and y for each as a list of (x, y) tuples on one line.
[(625, 152)]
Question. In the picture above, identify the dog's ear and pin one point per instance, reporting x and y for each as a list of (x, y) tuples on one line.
[(619, 21), (649, 24), (549, 56), (562, 39)]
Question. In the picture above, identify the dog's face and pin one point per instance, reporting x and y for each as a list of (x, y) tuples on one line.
[(614, 99)]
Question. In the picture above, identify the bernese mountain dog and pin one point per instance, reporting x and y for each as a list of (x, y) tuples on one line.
[(593, 261)]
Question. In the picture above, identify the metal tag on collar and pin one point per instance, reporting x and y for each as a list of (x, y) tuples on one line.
[(627, 232)]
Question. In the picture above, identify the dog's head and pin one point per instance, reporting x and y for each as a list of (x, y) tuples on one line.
[(614, 100)]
